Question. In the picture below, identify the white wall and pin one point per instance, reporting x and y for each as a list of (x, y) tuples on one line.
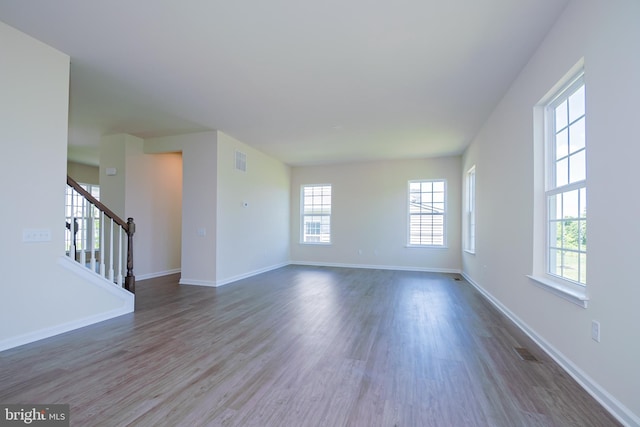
[(38, 296), (154, 201), (222, 241), (147, 188), (606, 35), (255, 237), (199, 202), (370, 214), (113, 155), (84, 174)]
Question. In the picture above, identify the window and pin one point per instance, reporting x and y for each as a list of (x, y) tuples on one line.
[(84, 216), (316, 214), (566, 184), (427, 209), (470, 211)]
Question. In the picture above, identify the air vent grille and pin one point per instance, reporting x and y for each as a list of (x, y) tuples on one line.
[(241, 161)]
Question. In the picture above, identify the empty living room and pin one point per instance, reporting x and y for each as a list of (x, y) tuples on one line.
[(331, 214)]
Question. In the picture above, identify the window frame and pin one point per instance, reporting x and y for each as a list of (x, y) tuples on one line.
[(470, 211), (444, 212), (321, 213), (553, 189), (543, 158)]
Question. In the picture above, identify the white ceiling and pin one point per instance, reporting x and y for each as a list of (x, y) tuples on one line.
[(307, 82)]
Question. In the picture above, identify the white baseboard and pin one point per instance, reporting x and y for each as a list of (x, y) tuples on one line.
[(96, 279), (62, 328), (157, 274), (378, 267), (613, 405), (127, 298), (250, 274), (197, 282)]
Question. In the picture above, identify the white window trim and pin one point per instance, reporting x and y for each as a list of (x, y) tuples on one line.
[(566, 289), (470, 211), (302, 215), (444, 216)]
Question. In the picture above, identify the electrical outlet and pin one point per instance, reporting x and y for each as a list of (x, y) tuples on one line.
[(595, 330)]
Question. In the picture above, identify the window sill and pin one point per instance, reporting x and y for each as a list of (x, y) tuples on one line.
[(571, 294), (426, 246), (316, 243)]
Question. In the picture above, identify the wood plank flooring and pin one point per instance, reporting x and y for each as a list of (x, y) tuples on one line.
[(301, 346)]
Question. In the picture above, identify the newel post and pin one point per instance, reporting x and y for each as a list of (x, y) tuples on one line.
[(130, 279)]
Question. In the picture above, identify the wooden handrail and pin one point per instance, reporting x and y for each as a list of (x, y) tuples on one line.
[(108, 212), (129, 227)]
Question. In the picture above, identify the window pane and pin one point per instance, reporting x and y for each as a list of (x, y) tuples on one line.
[(577, 136), (583, 268), (438, 186), (571, 234), (583, 235), (555, 262), (555, 234), (555, 206), (577, 167), (570, 267), (562, 172), (562, 144), (561, 116), (570, 204), (576, 104)]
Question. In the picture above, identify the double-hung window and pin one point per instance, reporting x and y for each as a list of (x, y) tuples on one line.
[(427, 211), (566, 184), (316, 214)]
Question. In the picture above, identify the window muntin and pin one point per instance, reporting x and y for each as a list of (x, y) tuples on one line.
[(86, 219), (470, 211), (566, 191), (427, 210), (316, 214)]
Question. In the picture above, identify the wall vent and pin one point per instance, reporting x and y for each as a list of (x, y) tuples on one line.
[(241, 161)]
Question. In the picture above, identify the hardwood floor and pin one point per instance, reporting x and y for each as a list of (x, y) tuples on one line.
[(301, 346)]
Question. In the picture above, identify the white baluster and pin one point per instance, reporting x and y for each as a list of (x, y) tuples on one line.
[(72, 221), (93, 238), (83, 233), (111, 253), (120, 256), (102, 268)]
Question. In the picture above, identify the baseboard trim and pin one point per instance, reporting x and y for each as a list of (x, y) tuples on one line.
[(96, 279), (157, 274), (610, 403), (196, 282), (250, 274), (61, 329), (378, 267)]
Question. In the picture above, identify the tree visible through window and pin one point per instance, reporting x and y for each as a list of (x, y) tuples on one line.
[(316, 214), (427, 209)]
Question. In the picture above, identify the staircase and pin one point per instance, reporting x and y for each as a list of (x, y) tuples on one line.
[(95, 235)]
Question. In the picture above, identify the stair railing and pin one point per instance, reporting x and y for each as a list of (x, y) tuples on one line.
[(93, 226)]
